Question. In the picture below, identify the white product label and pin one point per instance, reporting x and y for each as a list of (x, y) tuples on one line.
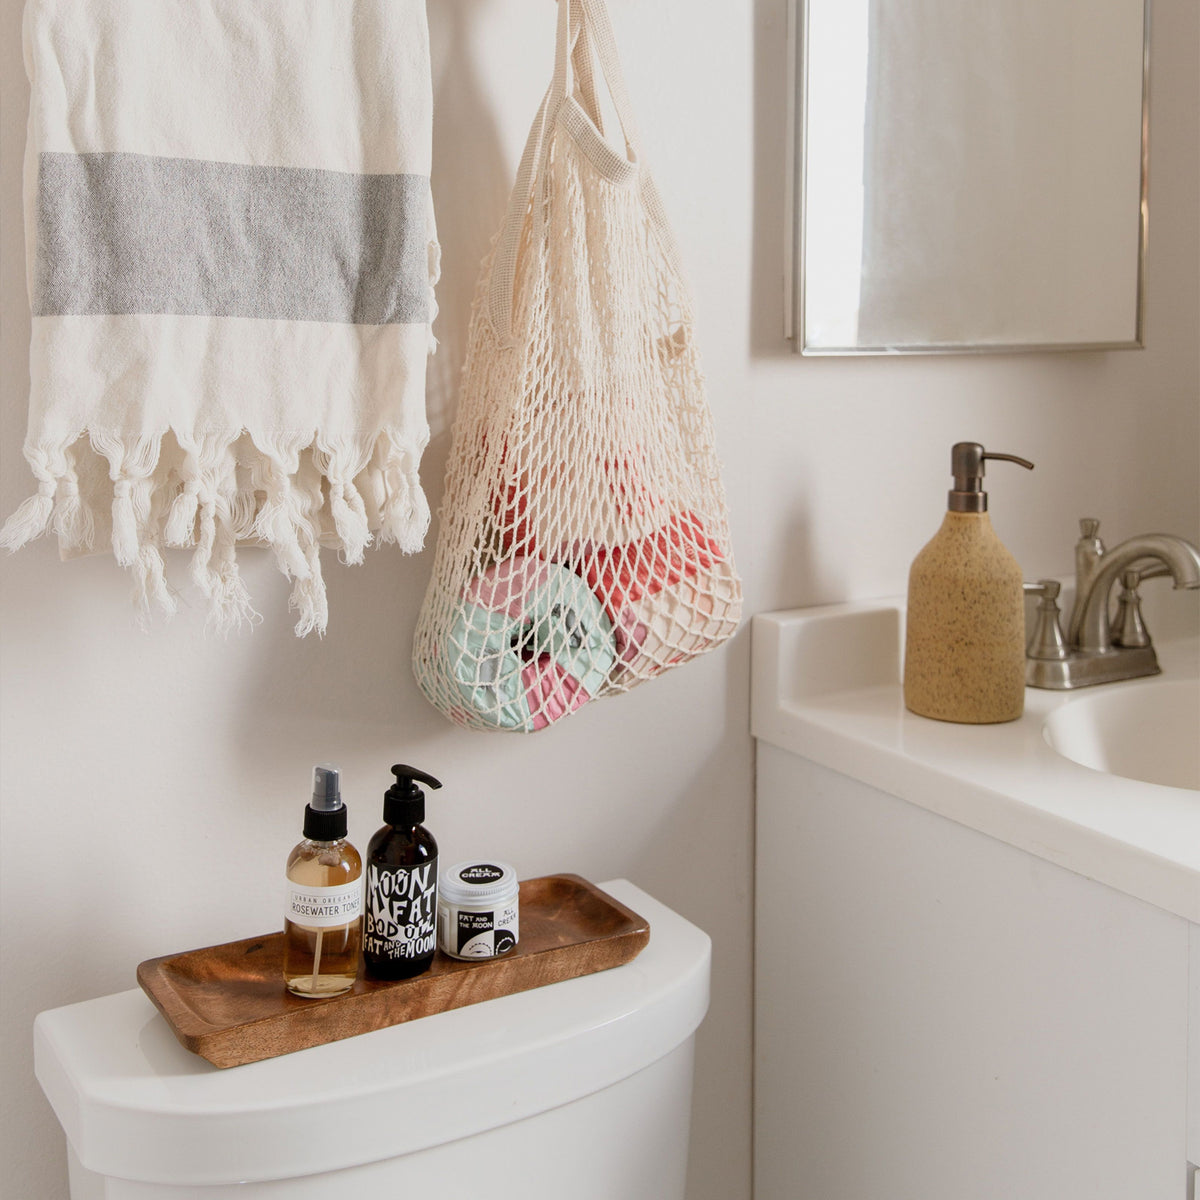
[(323, 907), (477, 933)]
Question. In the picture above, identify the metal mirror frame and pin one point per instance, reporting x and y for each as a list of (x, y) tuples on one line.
[(796, 180)]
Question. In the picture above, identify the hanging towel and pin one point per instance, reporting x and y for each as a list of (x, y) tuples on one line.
[(231, 257)]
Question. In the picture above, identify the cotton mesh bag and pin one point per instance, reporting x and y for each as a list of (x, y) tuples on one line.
[(584, 540)]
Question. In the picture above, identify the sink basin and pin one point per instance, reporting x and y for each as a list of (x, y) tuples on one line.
[(1148, 731)]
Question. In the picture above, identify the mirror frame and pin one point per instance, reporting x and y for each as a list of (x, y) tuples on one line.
[(796, 180)]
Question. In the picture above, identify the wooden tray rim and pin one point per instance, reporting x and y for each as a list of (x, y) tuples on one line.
[(193, 1031)]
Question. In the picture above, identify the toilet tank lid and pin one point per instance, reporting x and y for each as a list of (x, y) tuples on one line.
[(135, 1105)]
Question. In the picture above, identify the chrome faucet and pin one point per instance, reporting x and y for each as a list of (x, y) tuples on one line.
[(1091, 652)]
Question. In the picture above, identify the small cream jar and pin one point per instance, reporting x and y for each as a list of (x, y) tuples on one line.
[(477, 910)]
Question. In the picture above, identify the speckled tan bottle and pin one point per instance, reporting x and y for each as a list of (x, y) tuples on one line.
[(964, 657)]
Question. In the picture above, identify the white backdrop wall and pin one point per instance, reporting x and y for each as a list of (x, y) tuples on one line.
[(153, 782)]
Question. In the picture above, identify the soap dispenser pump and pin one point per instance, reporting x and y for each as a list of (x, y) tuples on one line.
[(400, 917), (964, 656)]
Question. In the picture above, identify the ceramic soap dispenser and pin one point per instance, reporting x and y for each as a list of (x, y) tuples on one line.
[(964, 657)]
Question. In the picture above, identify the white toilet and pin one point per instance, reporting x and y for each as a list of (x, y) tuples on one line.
[(580, 1090)]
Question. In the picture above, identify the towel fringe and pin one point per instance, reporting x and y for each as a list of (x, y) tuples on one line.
[(339, 462), (280, 521), (349, 519), (310, 600), (150, 584), (180, 528), (131, 463), (243, 512), (32, 517), (231, 608), (294, 492), (403, 510), (74, 521), (215, 571), (124, 521)]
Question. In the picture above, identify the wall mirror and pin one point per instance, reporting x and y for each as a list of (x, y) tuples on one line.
[(968, 175)]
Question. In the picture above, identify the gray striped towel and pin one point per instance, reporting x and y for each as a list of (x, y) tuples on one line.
[(231, 261)]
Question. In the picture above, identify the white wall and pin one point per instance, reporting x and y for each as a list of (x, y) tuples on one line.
[(851, 456), (152, 783)]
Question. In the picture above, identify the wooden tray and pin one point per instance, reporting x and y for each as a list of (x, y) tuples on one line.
[(228, 1004)]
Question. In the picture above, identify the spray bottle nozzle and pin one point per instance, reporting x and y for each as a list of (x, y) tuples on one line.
[(326, 794), (325, 814)]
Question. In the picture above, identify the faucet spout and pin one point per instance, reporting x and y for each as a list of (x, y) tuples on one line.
[(1180, 557)]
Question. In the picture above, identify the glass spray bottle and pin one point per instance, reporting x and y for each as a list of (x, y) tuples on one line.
[(322, 928)]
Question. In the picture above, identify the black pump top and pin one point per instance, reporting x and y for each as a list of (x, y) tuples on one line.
[(404, 802)]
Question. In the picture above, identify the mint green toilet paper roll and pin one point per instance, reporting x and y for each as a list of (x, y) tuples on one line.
[(486, 670), (523, 624)]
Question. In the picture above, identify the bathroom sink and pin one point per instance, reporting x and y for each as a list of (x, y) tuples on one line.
[(1147, 731), (1104, 781)]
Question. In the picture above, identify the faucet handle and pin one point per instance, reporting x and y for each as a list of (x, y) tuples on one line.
[(1046, 642), (1129, 630), (1088, 527)]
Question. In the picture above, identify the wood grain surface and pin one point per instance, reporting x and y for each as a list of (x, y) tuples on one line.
[(228, 1004)]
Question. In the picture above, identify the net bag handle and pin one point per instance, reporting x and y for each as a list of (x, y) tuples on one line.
[(508, 245), (600, 33), (583, 27)]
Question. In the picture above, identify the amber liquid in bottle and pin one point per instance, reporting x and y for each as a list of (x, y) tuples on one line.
[(322, 961)]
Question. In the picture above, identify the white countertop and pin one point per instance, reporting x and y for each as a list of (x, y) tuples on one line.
[(826, 686)]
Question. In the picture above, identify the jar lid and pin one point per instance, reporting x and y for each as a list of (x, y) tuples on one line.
[(477, 882)]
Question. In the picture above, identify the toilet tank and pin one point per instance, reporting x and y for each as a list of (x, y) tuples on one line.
[(580, 1089)]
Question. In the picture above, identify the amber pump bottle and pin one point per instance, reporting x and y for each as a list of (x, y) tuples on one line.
[(322, 928), (400, 921), (964, 657)]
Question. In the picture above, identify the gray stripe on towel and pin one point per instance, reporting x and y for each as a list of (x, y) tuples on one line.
[(130, 233)]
